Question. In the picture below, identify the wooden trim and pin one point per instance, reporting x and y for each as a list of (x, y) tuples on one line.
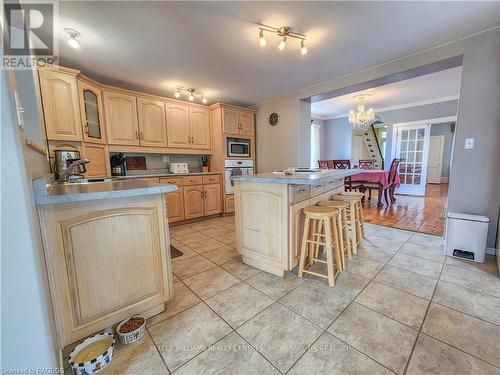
[(60, 69), (36, 147), (223, 105), (158, 150)]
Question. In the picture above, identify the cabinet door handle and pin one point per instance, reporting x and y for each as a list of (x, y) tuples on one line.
[(142, 135), (136, 134)]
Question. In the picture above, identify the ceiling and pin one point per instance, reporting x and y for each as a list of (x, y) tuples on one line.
[(430, 88), (214, 47)]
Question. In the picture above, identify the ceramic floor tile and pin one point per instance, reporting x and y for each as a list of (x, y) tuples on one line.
[(239, 303), (280, 335), (371, 228), (394, 234), (187, 252), (231, 355), (363, 267), (315, 303), (432, 253), (191, 237), (468, 301), (426, 240), (349, 284), (184, 335), (240, 270), (274, 286), (139, 357), (331, 356), (489, 265), (206, 244), (211, 282), (411, 282), (374, 253), (383, 339), (182, 300), (191, 266), (471, 335), (222, 255), (422, 266), (385, 243), (431, 356), (479, 281), (180, 231), (401, 306), (226, 237)]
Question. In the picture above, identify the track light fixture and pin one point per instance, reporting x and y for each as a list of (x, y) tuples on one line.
[(284, 32), (191, 94), (72, 34)]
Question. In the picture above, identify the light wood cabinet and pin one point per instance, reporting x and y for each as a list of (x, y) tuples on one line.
[(175, 205), (178, 125), (231, 120), (152, 124), (247, 123), (193, 201), (91, 112), (229, 199), (199, 127), (106, 260), (121, 118), (98, 155), (60, 105), (212, 199)]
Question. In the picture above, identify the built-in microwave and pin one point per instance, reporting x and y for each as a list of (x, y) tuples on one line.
[(238, 147)]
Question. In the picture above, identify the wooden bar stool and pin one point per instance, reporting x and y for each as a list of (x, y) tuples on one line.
[(343, 228), (320, 229), (355, 217), (360, 207)]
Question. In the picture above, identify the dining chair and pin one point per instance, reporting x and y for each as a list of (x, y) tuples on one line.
[(323, 164), (393, 171), (346, 164), (366, 164)]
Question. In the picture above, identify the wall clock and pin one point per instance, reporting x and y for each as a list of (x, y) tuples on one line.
[(274, 119)]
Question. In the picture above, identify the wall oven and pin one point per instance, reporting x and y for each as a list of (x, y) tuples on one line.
[(235, 168), (238, 147)]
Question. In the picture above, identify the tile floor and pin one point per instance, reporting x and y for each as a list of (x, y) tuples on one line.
[(400, 307)]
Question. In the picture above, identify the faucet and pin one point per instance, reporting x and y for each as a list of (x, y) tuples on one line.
[(71, 164)]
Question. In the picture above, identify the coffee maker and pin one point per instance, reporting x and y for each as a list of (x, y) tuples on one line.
[(118, 164), (69, 166)]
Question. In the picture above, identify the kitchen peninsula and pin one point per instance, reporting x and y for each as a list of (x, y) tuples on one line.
[(269, 218), (106, 251)]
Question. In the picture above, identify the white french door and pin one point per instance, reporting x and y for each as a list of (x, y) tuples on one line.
[(412, 148)]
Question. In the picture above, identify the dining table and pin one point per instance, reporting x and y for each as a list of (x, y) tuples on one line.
[(379, 177)]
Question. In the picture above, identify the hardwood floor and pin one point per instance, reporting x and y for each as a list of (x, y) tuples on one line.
[(423, 214)]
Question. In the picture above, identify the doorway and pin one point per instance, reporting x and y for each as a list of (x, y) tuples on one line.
[(435, 164)]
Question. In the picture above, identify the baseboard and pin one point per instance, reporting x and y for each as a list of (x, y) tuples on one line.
[(491, 251), (444, 180)]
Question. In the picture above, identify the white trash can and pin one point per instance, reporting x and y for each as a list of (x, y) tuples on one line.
[(466, 235)]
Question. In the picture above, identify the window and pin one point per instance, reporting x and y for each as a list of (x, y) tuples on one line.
[(314, 145)]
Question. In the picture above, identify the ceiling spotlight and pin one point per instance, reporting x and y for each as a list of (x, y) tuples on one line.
[(303, 47), (282, 44), (177, 94), (204, 100), (262, 38), (191, 97), (73, 34), (191, 94)]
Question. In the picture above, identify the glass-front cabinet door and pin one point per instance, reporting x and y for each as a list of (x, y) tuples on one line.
[(91, 112)]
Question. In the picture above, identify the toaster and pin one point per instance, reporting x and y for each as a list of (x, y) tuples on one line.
[(179, 168)]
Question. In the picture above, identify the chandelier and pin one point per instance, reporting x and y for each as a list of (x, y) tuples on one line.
[(361, 118)]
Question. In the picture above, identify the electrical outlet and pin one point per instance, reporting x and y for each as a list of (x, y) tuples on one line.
[(469, 143), (166, 158)]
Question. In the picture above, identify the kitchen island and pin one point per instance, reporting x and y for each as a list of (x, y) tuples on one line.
[(107, 252), (269, 218)]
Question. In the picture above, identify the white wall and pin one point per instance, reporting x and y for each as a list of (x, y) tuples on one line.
[(27, 334), (337, 140)]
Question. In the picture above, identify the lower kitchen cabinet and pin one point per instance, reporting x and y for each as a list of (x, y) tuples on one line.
[(229, 203), (98, 156), (193, 201), (212, 199), (175, 205)]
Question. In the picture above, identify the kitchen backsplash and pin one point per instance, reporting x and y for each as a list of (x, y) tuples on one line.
[(155, 163)]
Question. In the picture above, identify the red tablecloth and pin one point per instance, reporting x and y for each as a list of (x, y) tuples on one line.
[(375, 175)]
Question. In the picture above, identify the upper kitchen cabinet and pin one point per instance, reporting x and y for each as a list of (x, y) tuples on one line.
[(92, 118), (121, 118), (199, 127), (152, 124), (60, 104), (235, 120), (231, 120), (178, 125), (247, 123)]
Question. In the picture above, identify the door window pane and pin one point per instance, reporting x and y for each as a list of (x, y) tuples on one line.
[(92, 114), (404, 145), (409, 179), (416, 179), (413, 134), (420, 133)]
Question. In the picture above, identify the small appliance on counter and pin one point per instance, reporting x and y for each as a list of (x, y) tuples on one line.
[(179, 168), (69, 166), (118, 165), (204, 163)]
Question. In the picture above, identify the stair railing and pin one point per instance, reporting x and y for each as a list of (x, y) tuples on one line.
[(378, 144)]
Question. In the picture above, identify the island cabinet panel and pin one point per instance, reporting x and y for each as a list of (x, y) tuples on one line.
[(175, 205), (121, 118), (152, 122), (297, 220), (212, 199), (106, 261), (60, 105), (193, 201), (199, 125), (178, 125)]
